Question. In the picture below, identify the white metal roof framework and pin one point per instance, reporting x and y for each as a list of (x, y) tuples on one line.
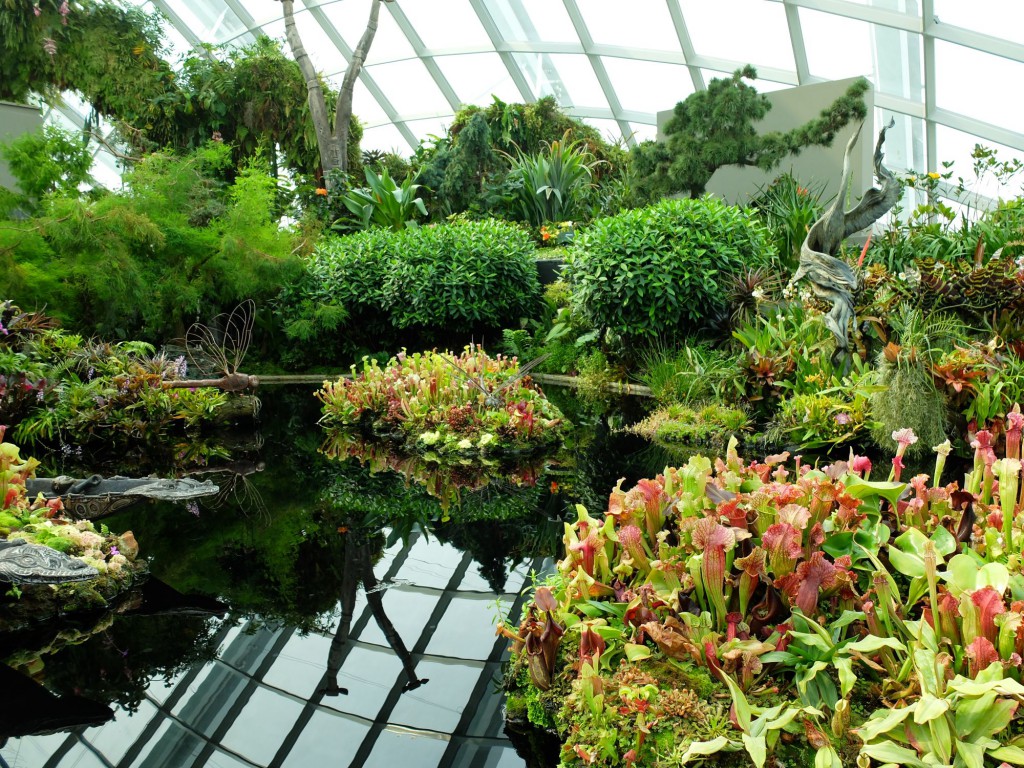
[(946, 70)]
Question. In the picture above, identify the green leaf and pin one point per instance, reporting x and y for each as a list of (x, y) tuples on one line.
[(882, 721), (908, 565), (930, 707), (636, 652), (847, 679), (873, 644), (827, 757), (703, 748), (756, 748), (888, 752), (1009, 754), (866, 489), (972, 755)]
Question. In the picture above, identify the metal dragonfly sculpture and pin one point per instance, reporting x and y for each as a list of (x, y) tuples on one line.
[(220, 349), (492, 395)]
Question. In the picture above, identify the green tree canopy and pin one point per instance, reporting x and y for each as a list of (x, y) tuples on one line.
[(716, 127)]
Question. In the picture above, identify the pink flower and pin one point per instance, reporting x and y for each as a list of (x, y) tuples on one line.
[(861, 465), (904, 438), (843, 418)]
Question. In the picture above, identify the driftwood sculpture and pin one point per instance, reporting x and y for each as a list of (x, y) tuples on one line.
[(832, 279)]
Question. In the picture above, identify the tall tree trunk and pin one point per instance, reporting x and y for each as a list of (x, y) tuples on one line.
[(343, 116), (332, 154)]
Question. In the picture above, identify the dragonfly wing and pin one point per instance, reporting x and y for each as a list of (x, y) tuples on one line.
[(203, 352), (465, 376), (238, 334), (523, 370)]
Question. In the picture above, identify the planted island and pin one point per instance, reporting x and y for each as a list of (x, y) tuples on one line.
[(773, 613), (440, 404)]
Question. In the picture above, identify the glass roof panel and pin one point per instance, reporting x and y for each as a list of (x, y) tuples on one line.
[(409, 88), (762, 86), (451, 24), (837, 47), (899, 63), (367, 108), (957, 146), (568, 77), (533, 21), (432, 126), (959, 87), (321, 49), (646, 86), (212, 22), (349, 20), (646, 25), (386, 138), (609, 128), (643, 132), (999, 18), (476, 76), (263, 11), (746, 31)]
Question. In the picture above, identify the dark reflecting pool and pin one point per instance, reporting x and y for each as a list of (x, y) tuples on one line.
[(322, 611)]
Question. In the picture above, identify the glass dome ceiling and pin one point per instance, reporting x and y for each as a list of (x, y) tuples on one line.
[(944, 69)]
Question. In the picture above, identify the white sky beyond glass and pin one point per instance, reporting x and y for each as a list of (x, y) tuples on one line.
[(953, 80)]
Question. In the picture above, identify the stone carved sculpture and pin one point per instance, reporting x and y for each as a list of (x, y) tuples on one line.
[(832, 279), (24, 563)]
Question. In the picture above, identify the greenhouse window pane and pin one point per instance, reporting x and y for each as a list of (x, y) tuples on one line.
[(646, 25), (900, 63), (648, 86), (324, 53), (446, 24), (263, 11), (349, 19), (212, 22), (386, 138), (957, 146), (761, 85), (568, 77), (477, 76), (432, 126), (999, 18), (366, 107), (609, 128), (533, 21), (748, 31), (409, 88), (643, 132), (837, 47), (974, 83)]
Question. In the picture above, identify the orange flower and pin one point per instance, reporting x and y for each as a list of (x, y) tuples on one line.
[(321, 191), (545, 235)]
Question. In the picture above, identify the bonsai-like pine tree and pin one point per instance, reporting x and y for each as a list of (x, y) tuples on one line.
[(715, 127)]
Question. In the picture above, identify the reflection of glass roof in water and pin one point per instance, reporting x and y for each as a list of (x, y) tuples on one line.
[(270, 699), (944, 69)]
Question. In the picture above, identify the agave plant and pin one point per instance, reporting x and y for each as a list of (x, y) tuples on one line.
[(549, 186), (384, 203)]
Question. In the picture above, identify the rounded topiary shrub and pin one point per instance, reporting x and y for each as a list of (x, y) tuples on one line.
[(466, 273), (663, 269), (361, 287)]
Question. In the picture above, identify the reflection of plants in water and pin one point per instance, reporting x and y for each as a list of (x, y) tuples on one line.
[(445, 480), (116, 659)]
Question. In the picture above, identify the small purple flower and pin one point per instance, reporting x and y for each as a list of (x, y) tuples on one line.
[(40, 395), (90, 373), (180, 366), (843, 418), (193, 508), (114, 550)]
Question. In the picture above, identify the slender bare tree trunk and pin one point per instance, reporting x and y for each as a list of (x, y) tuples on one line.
[(333, 145), (330, 156), (343, 117)]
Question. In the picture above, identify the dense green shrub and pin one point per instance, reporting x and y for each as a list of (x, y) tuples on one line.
[(463, 275), (662, 270)]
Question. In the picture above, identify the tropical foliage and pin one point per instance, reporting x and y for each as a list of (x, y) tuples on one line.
[(38, 521), (442, 403), (770, 608)]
